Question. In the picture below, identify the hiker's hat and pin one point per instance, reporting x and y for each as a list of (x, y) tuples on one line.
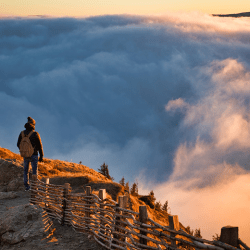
[(31, 121)]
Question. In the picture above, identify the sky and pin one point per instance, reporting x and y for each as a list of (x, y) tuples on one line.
[(163, 100), (77, 8)]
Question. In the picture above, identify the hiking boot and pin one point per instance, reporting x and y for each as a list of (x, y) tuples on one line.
[(27, 188)]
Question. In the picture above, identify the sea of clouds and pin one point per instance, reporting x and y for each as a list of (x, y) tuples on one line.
[(162, 99)]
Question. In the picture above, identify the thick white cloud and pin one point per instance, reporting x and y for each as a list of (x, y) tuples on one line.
[(209, 184), (164, 96)]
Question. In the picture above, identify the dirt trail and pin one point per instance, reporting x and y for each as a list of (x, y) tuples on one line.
[(63, 238)]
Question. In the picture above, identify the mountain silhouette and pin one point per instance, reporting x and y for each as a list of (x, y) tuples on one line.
[(242, 14)]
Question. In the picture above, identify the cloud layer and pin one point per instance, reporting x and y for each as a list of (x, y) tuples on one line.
[(163, 97)]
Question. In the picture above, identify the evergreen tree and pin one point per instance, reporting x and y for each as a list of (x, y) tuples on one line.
[(122, 181), (190, 231), (134, 189), (197, 233), (105, 171), (158, 206), (152, 197), (151, 193), (127, 187), (165, 207)]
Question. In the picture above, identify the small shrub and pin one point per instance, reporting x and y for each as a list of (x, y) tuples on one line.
[(216, 237)]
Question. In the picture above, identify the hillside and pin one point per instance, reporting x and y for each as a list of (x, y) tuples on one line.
[(79, 176), (59, 172)]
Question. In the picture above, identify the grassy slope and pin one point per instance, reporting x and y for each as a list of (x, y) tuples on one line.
[(52, 168), (79, 176)]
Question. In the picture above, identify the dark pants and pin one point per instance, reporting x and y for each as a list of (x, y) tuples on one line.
[(34, 160)]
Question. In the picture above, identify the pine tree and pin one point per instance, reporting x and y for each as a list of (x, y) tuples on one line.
[(122, 181), (151, 193), (158, 206), (190, 231), (165, 207), (127, 187), (105, 171), (134, 189), (197, 233), (152, 197)]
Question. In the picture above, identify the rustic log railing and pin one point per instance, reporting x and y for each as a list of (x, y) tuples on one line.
[(114, 226)]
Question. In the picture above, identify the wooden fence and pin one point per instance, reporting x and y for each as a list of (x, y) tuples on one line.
[(114, 226)]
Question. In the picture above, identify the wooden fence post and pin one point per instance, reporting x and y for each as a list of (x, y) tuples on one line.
[(33, 189), (118, 219), (121, 201), (102, 196), (143, 217), (66, 188), (88, 193), (47, 192), (125, 201), (230, 235), (174, 225)]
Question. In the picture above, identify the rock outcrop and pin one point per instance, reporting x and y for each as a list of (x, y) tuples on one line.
[(11, 175), (24, 222)]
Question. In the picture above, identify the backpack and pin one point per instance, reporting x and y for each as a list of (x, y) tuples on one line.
[(26, 149)]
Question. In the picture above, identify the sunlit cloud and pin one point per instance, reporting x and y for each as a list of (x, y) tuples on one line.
[(211, 173), (176, 104)]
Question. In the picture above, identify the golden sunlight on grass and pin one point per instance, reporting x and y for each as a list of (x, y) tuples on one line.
[(79, 176)]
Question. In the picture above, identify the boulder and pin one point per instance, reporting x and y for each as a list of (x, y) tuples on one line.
[(9, 171), (11, 175), (24, 222)]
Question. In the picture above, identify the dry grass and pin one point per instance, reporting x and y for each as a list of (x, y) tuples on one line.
[(53, 168), (79, 176), (7, 154), (61, 172)]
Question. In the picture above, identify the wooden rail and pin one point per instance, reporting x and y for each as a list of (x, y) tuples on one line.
[(112, 225)]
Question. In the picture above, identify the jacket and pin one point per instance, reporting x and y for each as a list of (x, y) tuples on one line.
[(35, 139)]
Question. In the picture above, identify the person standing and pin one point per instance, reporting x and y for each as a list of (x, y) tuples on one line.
[(36, 146)]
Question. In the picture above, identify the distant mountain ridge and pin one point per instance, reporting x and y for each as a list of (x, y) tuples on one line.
[(242, 14)]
